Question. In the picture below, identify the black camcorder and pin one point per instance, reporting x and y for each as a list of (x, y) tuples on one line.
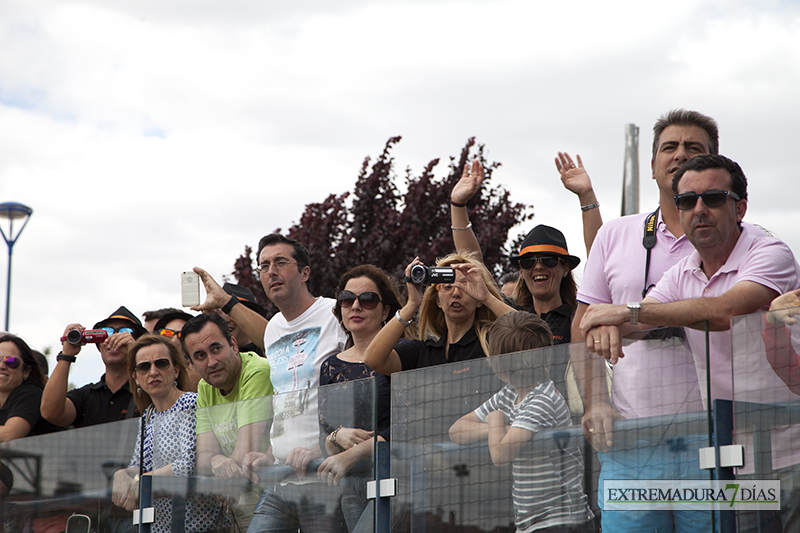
[(422, 275)]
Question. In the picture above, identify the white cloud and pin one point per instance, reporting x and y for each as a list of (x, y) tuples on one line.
[(150, 137)]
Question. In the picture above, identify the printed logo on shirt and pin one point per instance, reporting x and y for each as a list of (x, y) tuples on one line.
[(288, 356)]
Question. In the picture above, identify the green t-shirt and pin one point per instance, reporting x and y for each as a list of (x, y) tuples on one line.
[(250, 401)]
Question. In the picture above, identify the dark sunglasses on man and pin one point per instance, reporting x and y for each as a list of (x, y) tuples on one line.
[(711, 198), (368, 300)]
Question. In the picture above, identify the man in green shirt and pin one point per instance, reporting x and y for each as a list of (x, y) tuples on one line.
[(234, 404)]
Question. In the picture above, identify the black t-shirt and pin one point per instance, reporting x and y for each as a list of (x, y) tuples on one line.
[(354, 388), (96, 404), (24, 402), (420, 354), (560, 322)]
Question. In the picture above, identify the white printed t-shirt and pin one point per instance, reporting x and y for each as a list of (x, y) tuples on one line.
[(296, 350)]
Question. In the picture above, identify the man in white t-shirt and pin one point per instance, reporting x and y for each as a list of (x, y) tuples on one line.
[(297, 340)]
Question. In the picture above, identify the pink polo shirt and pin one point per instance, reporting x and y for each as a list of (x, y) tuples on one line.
[(756, 258), (655, 377)]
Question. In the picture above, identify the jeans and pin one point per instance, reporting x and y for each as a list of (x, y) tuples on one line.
[(675, 458), (311, 507), (354, 499)]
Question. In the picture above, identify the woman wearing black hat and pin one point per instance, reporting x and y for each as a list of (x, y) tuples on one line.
[(544, 263), (549, 289), (545, 266)]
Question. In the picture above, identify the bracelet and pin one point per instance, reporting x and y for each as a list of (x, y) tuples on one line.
[(333, 438), (589, 207), (465, 228), (228, 306), (457, 204), (68, 358), (400, 319)]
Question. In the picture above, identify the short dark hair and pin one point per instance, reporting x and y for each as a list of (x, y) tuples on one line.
[(29, 360), (299, 254), (390, 297), (705, 162), (159, 313), (520, 331), (685, 117), (508, 277), (199, 322), (141, 398)]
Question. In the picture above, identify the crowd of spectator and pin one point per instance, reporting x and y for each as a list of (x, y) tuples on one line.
[(240, 393)]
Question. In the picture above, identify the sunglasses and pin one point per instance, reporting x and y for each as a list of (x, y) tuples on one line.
[(368, 300), (711, 198), (11, 361), (169, 333), (161, 364), (548, 261), (111, 330)]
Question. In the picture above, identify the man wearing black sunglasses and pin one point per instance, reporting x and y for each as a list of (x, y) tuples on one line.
[(735, 270), (619, 268), (109, 399)]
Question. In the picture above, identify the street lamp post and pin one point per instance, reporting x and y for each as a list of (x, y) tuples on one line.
[(12, 211)]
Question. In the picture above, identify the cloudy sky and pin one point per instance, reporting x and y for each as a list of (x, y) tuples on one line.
[(153, 136)]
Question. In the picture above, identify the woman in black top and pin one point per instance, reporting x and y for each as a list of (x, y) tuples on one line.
[(21, 384), (365, 299), (451, 319)]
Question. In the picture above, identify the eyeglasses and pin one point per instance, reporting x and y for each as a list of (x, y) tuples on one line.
[(161, 364), (169, 333), (445, 287), (529, 261), (711, 198), (11, 361), (280, 264), (368, 300), (111, 330)]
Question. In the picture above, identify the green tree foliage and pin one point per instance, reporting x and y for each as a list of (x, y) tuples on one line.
[(377, 224)]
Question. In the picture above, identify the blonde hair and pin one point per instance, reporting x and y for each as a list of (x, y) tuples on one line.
[(431, 317)]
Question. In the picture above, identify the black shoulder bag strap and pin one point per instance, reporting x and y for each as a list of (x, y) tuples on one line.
[(649, 241)]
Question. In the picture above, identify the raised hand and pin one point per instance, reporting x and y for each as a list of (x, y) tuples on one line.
[(468, 185)]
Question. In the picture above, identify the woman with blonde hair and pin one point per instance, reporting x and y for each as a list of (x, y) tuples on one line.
[(451, 319)]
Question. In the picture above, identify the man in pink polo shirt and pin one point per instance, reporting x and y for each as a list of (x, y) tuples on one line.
[(661, 379), (735, 269)]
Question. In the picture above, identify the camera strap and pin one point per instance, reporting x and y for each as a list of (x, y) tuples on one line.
[(649, 241)]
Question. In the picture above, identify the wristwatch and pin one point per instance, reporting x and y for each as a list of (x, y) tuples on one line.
[(68, 358), (228, 306), (634, 308)]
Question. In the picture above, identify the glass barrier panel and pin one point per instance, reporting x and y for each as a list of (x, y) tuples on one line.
[(766, 408), (63, 473), (547, 473), (283, 435)]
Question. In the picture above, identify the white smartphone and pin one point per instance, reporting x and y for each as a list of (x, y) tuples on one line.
[(190, 289)]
